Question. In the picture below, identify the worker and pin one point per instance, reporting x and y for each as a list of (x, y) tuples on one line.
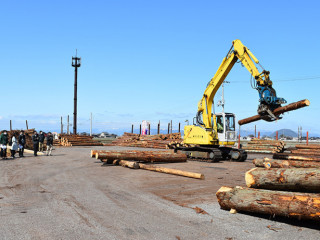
[(35, 140), (49, 143), (41, 141), (22, 143), (14, 146), (219, 125), (3, 144)]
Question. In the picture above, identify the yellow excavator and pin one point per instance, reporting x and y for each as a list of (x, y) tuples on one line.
[(212, 136)]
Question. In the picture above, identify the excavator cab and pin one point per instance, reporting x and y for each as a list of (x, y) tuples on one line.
[(226, 128)]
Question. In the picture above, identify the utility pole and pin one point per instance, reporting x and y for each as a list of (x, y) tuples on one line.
[(61, 126), (91, 125), (76, 62), (221, 102), (68, 132)]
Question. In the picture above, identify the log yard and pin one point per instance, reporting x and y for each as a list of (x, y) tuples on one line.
[(186, 123)]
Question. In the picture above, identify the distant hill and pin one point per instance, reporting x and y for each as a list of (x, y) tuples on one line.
[(286, 132)]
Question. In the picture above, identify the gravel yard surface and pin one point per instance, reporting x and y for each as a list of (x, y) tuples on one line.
[(72, 196)]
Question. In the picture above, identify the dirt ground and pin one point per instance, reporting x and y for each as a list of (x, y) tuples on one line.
[(72, 196)]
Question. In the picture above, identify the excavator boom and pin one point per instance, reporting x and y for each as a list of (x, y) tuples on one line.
[(267, 95)]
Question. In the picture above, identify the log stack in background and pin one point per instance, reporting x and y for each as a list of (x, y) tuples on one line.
[(265, 146), (78, 140), (159, 141), (300, 152)]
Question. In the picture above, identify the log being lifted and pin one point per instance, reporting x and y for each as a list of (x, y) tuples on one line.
[(287, 156), (275, 163), (277, 111), (143, 156), (279, 203), (297, 179)]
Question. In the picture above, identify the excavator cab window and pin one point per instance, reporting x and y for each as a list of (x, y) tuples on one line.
[(230, 124), (220, 124)]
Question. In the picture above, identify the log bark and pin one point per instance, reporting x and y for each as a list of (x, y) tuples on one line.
[(277, 111), (286, 156), (278, 203), (172, 171), (259, 151), (93, 152), (314, 146), (297, 179), (143, 156), (274, 163), (270, 163), (306, 153)]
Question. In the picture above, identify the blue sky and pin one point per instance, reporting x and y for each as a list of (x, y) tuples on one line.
[(151, 60)]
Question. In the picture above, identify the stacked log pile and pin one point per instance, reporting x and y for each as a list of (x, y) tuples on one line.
[(265, 146), (137, 160), (159, 141), (289, 188), (301, 152), (77, 140)]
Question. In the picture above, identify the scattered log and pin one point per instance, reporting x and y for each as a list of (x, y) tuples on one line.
[(277, 111), (274, 163), (286, 156), (172, 171), (143, 156), (297, 179), (274, 203), (270, 163), (93, 152), (129, 164)]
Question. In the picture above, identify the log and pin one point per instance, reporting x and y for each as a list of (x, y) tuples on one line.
[(133, 165), (259, 151), (314, 146), (273, 203), (306, 153), (144, 156), (270, 163), (274, 163), (297, 179), (172, 171), (277, 111), (93, 152), (286, 156)]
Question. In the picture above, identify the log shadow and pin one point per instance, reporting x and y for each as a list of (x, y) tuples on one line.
[(306, 223)]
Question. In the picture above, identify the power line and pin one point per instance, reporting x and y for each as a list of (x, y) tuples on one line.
[(289, 80)]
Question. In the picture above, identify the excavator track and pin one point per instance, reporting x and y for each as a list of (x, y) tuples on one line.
[(212, 154)]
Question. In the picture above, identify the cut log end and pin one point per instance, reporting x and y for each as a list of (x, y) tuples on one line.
[(249, 178)]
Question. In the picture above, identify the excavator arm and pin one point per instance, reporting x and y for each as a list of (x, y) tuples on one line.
[(268, 98)]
